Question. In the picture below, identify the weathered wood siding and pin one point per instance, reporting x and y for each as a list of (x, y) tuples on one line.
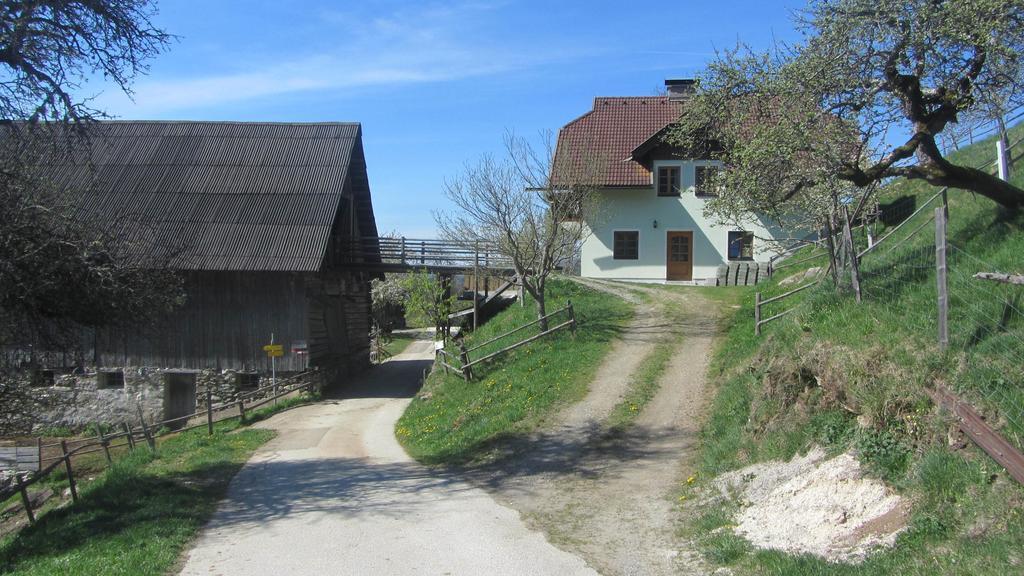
[(227, 318), (339, 322)]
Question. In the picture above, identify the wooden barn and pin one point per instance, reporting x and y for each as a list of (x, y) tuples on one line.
[(253, 215)]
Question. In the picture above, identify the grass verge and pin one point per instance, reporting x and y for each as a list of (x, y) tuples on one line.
[(643, 387), (453, 421), (852, 377), (138, 516)]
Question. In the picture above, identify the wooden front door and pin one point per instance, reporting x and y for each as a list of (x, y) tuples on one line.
[(680, 256)]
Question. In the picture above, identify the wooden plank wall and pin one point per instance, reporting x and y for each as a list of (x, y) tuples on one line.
[(339, 322), (226, 320)]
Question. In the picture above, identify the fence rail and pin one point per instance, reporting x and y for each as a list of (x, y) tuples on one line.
[(148, 432), (412, 252), (966, 309), (463, 362)]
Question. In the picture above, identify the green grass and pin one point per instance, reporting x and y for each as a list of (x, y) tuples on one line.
[(398, 343), (138, 516), (453, 421), (643, 387), (811, 374)]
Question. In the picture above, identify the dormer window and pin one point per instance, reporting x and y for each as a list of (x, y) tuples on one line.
[(704, 178), (668, 181)]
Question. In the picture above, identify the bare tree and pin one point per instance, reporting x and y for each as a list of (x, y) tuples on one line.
[(48, 49), (526, 205), (61, 275), (893, 74)]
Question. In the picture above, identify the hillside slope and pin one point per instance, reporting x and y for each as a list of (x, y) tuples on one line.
[(851, 376)]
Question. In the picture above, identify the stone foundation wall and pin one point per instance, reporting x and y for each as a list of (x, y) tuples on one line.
[(77, 400)]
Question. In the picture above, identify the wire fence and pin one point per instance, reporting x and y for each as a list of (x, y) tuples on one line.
[(973, 328)]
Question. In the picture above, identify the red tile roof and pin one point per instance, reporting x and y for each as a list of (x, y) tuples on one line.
[(609, 133)]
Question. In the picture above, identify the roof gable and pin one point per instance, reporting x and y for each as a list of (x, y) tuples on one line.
[(220, 195), (610, 133)]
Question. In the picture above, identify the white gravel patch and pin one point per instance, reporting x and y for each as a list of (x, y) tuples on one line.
[(814, 505)]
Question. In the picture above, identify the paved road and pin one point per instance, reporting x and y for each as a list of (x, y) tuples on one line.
[(334, 493)]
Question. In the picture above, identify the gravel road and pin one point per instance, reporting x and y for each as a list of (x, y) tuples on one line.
[(334, 493)]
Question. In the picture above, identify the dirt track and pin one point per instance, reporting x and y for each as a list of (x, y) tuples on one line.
[(609, 498)]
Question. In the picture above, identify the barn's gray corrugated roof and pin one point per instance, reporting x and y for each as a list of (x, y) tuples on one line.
[(220, 195)]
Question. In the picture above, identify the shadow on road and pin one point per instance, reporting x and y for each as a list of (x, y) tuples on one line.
[(396, 378)]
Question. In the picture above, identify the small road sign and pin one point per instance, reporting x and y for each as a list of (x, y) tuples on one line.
[(274, 350)]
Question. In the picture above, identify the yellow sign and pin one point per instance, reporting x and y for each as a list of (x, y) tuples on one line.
[(274, 350)]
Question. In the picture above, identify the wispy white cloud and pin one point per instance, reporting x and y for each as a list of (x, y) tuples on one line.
[(431, 43)]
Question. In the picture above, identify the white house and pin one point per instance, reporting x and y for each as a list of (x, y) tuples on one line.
[(651, 226)]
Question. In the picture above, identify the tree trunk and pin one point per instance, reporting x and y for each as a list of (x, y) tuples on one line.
[(989, 186), (935, 169), (536, 291), (541, 313)]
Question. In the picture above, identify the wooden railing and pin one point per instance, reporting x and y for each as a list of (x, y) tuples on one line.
[(413, 253), (147, 432), (463, 362)]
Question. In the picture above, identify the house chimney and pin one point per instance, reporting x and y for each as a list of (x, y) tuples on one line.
[(680, 88)]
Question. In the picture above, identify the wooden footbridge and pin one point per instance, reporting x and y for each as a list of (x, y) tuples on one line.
[(445, 258)]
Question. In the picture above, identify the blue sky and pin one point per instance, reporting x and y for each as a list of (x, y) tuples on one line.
[(434, 84)]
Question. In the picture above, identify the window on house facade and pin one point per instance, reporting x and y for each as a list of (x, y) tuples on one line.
[(741, 245), (704, 180), (668, 181), (626, 246)]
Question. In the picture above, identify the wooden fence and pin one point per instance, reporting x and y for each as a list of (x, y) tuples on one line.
[(130, 437), (759, 301), (463, 362)]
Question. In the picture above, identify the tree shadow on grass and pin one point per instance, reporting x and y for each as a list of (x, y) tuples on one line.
[(137, 507)]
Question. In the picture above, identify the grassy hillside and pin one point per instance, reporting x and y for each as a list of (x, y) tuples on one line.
[(846, 376), (456, 421), (138, 516)]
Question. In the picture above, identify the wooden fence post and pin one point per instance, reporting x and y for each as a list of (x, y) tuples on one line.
[(241, 410), (209, 411), (1001, 167), (104, 443), (852, 251), (26, 501), (467, 372), (833, 261), (131, 438), (572, 317), (439, 356), (476, 282), (145, 429), (757, 313), (940, 277), (71, 472), (39, 449)]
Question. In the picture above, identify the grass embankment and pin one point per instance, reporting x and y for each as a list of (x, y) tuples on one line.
[(138, 516), (849, 376), (453, 421)]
